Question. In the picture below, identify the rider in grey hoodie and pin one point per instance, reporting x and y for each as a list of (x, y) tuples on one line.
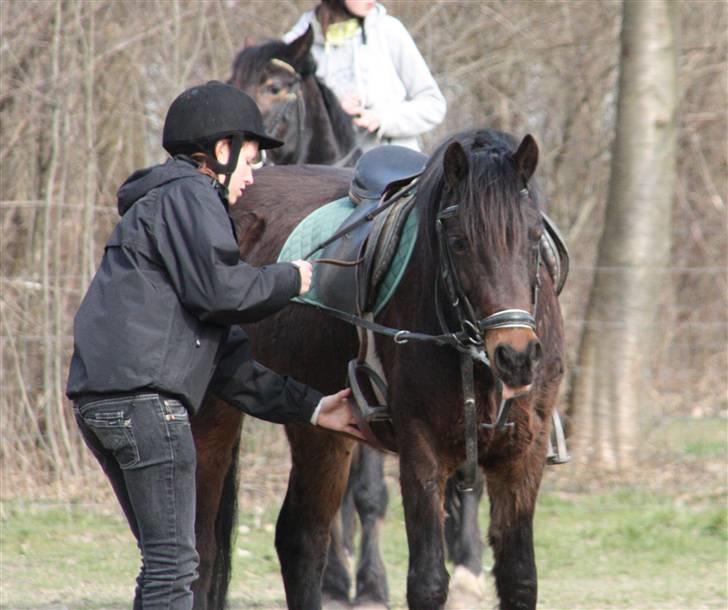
[(377, 64)]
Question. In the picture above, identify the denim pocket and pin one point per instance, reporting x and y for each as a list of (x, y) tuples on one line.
[(110, 421)]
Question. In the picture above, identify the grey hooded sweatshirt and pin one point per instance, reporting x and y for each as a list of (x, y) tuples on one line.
[(158, 312)]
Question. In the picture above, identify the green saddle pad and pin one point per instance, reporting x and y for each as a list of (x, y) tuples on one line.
[(322, 224)]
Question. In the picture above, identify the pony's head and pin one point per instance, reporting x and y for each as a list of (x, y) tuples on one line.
[(484, 230), (272, 73), (281, 78)]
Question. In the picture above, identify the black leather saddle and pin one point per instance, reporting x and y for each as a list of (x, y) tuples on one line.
[(369, 246), (383, 170)]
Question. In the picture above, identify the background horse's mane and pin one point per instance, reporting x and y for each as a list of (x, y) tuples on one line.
[(492, 178)]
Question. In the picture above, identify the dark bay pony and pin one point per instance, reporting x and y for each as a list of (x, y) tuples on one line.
[(479, 229), (297, 107)]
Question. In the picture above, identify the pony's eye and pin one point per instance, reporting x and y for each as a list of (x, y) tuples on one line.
[(458, 244)]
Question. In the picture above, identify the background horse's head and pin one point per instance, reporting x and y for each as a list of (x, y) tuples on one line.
[(296, 106), (488, 239)]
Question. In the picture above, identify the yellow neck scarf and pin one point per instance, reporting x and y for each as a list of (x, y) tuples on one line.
[(338, 33)]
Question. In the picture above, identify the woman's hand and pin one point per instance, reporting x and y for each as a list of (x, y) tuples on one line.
[(336, 414), (368, 120), (305, 270), (351, 104)]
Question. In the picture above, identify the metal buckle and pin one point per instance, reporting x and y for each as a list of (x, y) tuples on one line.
[(472, 333), (399, 337)]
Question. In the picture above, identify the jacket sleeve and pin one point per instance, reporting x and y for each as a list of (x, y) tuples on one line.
[(300, 27), (425, 106), (258, 391), (198, 248)]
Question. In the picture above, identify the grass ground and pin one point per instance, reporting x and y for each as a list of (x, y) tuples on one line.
[(657, 541)]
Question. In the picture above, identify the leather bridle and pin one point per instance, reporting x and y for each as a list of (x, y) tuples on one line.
[(467, 338), (471, 328), (470, 334), (295, 97)]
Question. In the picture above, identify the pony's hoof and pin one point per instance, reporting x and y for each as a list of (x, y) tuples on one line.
[(328, 603), (467, 591), (370, 606)]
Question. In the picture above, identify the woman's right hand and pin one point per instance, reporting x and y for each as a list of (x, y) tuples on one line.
[(305, 270), (351, 104)]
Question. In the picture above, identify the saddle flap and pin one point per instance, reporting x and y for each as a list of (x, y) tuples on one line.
[(337, 285)]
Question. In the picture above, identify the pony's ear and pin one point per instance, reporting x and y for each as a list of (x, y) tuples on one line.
[(455, 164), (298, 49), (526, 157)]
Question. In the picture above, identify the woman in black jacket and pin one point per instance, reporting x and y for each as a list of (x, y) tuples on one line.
[(154, 332)]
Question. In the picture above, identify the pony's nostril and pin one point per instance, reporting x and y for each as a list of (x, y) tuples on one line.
[(535, 351), (501, 358)]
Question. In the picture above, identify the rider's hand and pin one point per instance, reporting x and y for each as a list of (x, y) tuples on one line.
[(368, 120), (351, 104), (336, 414), (305, 269)]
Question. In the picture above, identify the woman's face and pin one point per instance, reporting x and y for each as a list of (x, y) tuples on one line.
[(359, 8), (242, 177)]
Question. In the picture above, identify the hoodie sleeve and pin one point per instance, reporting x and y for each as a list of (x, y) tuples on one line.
[(258, 391), (198, 248), (299, 29), (425, 106)]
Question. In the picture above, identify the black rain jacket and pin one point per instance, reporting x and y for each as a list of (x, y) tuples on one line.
[(158, 312)]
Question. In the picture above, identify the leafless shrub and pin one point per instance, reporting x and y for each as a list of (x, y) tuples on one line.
[(83, 91)]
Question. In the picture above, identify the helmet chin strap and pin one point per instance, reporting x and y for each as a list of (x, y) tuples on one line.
[(236, 143)]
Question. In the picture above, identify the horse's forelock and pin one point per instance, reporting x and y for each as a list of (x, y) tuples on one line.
[(251, 62), (489, 201)]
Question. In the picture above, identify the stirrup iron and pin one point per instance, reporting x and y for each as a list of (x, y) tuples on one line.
[(557, 439), (365, 383)]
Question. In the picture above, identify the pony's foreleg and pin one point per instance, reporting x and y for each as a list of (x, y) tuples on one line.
[(423, 483), (320, 468), (216, 430), (512, 491)]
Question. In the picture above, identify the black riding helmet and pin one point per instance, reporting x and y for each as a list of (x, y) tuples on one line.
[(204, 114)]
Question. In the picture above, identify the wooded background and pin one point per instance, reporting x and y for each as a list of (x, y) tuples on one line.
[(84, 86)]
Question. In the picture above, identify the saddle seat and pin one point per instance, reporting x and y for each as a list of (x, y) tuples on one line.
[(383, 170)]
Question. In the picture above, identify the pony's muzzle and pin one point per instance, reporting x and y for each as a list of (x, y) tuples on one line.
[(515, 358)]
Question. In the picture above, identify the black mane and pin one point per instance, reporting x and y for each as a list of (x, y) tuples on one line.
[(489, 198)]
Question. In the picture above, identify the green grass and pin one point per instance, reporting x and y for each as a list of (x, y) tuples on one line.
[(619, 548), (691, 437)]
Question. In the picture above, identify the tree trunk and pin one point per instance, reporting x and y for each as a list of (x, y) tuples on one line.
[(611, 388)]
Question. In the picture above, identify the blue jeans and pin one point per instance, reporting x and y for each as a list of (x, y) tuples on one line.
[(144, 444)]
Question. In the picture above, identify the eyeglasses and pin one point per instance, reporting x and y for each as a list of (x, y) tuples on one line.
[(259, 160)]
